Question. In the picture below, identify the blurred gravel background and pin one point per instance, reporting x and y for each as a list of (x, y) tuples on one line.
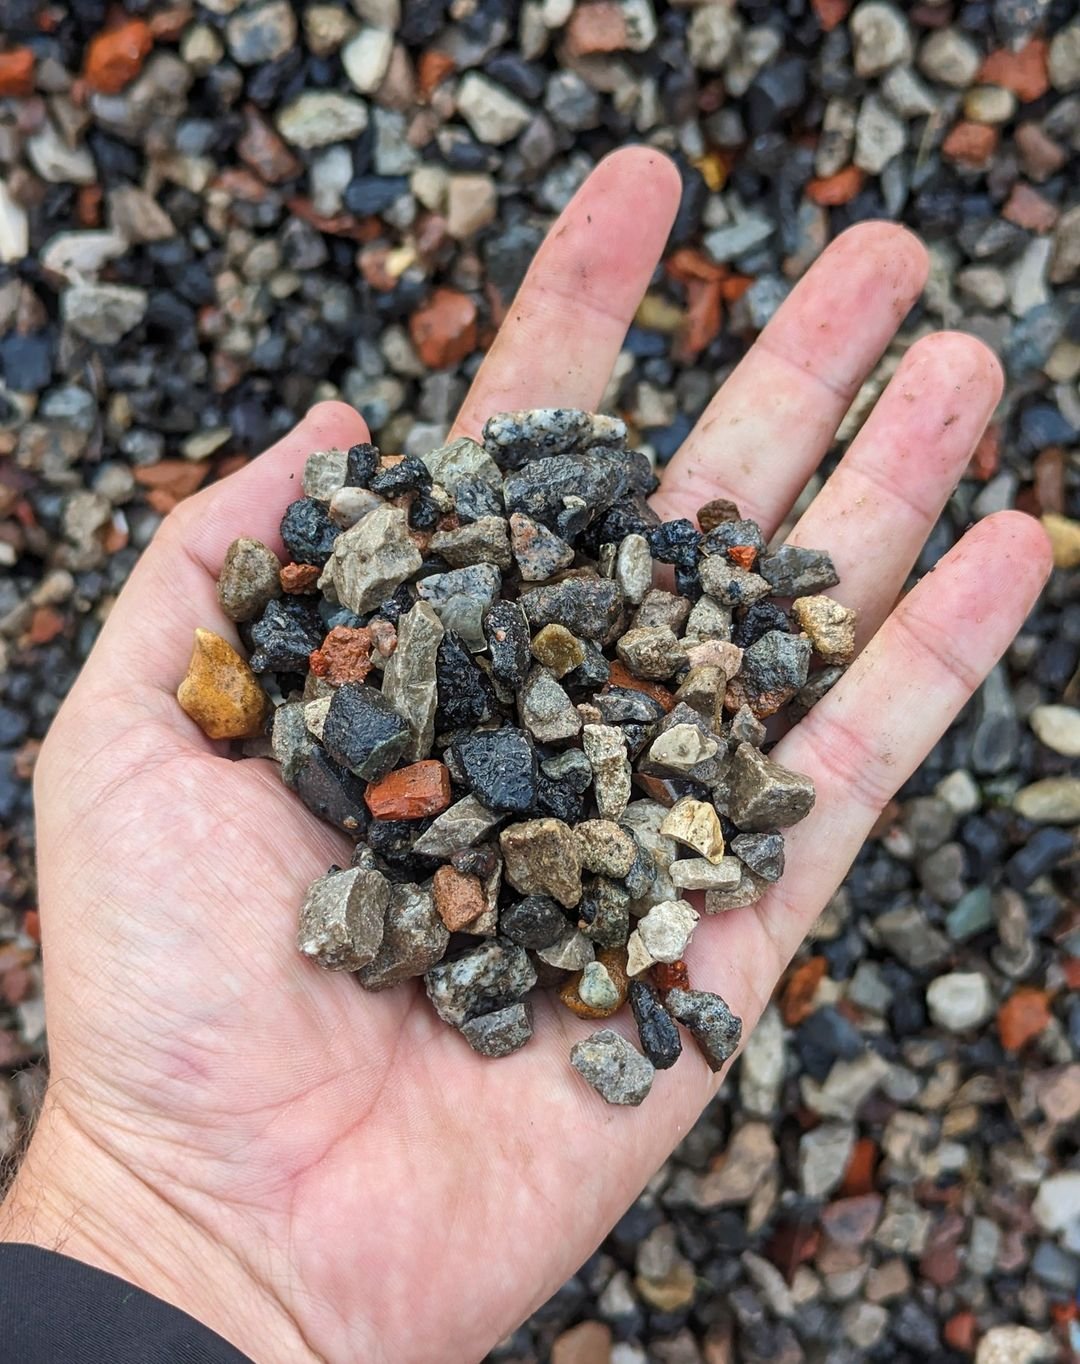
[(214, 213)]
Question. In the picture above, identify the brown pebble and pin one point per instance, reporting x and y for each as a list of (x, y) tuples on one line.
[(716, 512), (296, 578), (459, 899), (220, 692), (670, 975), (343, 656)]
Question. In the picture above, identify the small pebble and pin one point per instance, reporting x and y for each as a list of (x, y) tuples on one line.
[(220, 692), (249, 578), (714, 1027), (615, 1069)]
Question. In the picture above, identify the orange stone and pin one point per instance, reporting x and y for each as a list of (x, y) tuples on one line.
[(1024, 72), (587, 1343), (412, 792), (432, 69), (670, 975), (45, 624), (178, 477), (32, 924), (444, 329), (343, 656), (17, 73), (743, 556), (298, 577), (797, 1001), (970, 144), (1022, 1018), (1028, 209), (88, 205), (114, 58), (984, 462), (960, 1332), (596, 27), (459, 898), (831, 12), (621, 676), (704, 317), (220, 692), (859, 1175), (829, 191)]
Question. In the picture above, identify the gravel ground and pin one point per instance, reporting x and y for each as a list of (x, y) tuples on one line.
[(213, 214)]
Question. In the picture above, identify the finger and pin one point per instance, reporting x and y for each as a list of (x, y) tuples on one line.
[(772, 421), (876, 510), (147, 638), (870, 733), (566, 326)]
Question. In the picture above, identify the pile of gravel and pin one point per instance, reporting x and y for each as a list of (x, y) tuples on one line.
[(211, 215)]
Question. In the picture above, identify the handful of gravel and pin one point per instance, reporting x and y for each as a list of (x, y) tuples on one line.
[(540, 755)]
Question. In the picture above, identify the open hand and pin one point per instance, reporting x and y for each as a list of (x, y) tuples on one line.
[(319, 1173)]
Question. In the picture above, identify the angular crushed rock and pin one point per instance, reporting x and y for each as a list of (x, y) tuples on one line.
[(615, 1069), (341, 919), (715, 1028)]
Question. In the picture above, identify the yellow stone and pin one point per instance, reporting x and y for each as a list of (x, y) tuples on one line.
[(696, 824), (220, 692), (558, 649), (831, 627), (1064, 536)]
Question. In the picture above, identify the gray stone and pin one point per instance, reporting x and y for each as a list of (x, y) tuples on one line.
[(410, 681), (605, 748), (996, 736), (1015, 1345), (499, 1033), (350, 505), (366, 57), (960, 1001), (764, 795), (291, 742), (824, 1153), (730, 585), (748, 891), (762, 1065), (762, 853), (414, 939), (103, 313), (248, 579), (773, 670), (682, 748), (371, 559), (909, 935), (708, 620), (461, 826), (341, 919), (482, 980), (879, 135), (460, 597), (261, 34), (545, 709), (541, 857), (634, 568), (589, 606), (659, 608), (606, 850), (881, 37), (513, 438), (571, 952), (485, 540), (749, 232), (494, 115), (538, 551), (324, 475), (1064, 57), (667, 929), (597, 990), (950, 57), (652, 652), (715, 1028), (316, 118), (908, 94), (615, 1069), (796, 572), (698, 873)]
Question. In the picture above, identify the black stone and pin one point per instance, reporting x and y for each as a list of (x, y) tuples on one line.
[(508, 639), (535, 922), (592, 673), (539, 489), (499, 767), (633, 466), (363, 732), (392, 840), (284, 636), (630, 516), (465, 694), (826, 1037), (675, 542), (622, 705), (424, 512), (589, 607), (479, 862), (728, 535), (715, 1028), (762, 853), (332, 793), (361, 465), (659, 1035), (559, 799), (751, 622), (796, 572), (308, 532), (1042, 852), (408, 476)]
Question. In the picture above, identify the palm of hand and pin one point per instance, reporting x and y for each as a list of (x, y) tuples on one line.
[(339, 1176)]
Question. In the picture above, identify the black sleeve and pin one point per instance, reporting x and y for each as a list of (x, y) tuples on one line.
[(55, 1310)]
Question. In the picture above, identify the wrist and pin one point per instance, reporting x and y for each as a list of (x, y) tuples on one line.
[(72, 1196)]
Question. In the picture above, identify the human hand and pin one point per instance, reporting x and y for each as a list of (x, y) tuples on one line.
[(321, 1173)]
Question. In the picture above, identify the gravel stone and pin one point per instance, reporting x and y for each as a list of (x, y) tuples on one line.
[(545, 709), (515, 438), (880, 36), (572, 952), (796, 572), (831, 627), (363, 732), (541, 857), (103, 313), (482, 980), (371, 559), (657, 1031), (1058, 727), (588, 607), (764, 795), (220, 692), (485, 540), (508, 643), (960, 1001), (666, 930), (773, 669), (715, 1028), (248, 579), (762, 853), (538, 552), (341, 920), (409, 678), (695, 824), (461, 597), (615, 1069), (535, 921), (464, 824), (682, 748), (698, 873), (318, 117), (414, 939), (748, 891), (605, 748)]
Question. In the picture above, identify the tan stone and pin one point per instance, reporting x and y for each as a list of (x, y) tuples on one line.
[(696, 824), (220, 692)]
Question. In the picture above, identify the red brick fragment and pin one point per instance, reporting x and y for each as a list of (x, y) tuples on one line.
[(984, 462), (343, 656), (1024, 73), (830, 191), (459, 898), (743, 556), (444, 330), (830, 13), (412, 792), (432, 69), (295, 578), (114, 58), (970, 144), (960, 1332), (1022, 1018), (671, 975), (17, 73), (796, 1002), (621, 676)]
